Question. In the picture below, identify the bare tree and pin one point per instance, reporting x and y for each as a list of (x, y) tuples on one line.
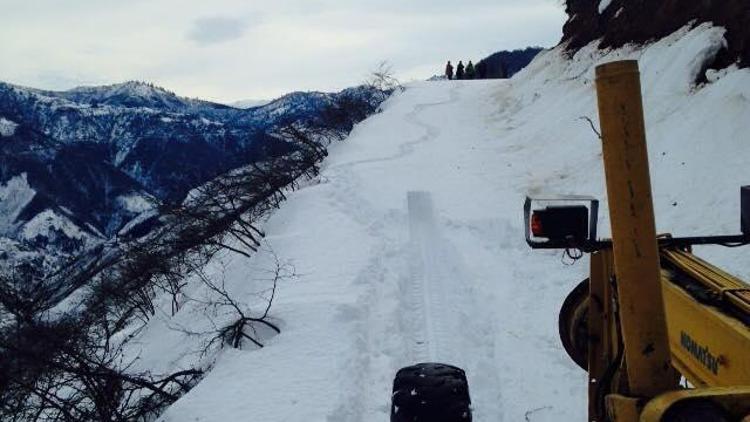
[(238, 323), (72, 367), (382, 79), (54, 371)]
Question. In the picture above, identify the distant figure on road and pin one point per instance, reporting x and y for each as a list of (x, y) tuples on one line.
[(470, 72), (460, 70), (449, 70)]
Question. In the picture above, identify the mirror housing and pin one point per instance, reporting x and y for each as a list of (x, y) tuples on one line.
[(565, 221)]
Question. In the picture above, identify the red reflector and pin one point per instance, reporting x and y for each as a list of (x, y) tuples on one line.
[(536, 225)]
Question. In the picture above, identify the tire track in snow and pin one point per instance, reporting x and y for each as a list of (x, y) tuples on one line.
[(447, 325), (424, 270), (376, 320), (418, 304), (407, 148)]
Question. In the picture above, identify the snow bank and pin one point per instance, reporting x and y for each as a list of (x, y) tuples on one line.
[(697, 152), (384, 283), (603, 5), (7, 127)]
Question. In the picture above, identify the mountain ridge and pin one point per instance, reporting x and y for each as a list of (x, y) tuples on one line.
[(89, 149)]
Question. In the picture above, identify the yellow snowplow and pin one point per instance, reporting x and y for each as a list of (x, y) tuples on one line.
[(663, 334)]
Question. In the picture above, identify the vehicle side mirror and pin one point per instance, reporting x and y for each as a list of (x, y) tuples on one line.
[(559, 222)]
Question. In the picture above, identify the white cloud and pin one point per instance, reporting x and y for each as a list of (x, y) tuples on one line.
[(222, 50)]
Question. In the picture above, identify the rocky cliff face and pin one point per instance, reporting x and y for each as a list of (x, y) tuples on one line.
[(618, 22)]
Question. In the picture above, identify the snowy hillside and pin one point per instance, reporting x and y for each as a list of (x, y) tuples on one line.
[(244, 104), (410, 248), (92, 160), (137, 94)]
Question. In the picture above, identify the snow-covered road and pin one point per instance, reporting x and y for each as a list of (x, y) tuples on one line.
[(410, 246), (405, 251)]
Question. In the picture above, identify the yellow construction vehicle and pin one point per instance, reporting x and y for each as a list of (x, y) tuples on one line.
[(663, 334)]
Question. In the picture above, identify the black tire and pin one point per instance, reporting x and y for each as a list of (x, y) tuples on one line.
[(430, 392), (573, 324), (695, 411)]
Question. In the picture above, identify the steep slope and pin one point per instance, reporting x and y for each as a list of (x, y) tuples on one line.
[(410, 245), (615, 23), (95, 158)]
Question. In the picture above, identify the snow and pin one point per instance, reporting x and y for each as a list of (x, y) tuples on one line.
[(7, 127), (603, 5), (713, 75), (204, 122), (244, 104), (15, 194), (410, 245), (46, 221), (136, 202), (13, 252)]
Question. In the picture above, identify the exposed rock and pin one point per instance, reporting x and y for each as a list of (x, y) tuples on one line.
[(640, 21)]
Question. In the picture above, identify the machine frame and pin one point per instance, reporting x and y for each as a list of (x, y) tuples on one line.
[(651, 314)]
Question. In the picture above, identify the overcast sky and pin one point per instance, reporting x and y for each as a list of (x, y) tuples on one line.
[(227, 50)]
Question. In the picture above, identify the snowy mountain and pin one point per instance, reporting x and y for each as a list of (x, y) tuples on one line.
[(244, 104), (411, 248), (92, 159), (407, 247), (135, 94)]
